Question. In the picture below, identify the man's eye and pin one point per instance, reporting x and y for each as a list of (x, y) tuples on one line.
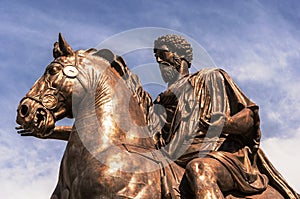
[(162, 56)]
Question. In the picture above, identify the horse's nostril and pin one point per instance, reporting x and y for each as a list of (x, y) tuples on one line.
[(24, 110)]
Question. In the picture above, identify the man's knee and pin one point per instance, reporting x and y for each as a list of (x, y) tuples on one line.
[(201, 168), (209, 171)]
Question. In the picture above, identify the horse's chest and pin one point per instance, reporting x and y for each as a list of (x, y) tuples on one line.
[(72, 162)]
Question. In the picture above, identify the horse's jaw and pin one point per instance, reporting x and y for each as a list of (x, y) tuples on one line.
[(34, 119)]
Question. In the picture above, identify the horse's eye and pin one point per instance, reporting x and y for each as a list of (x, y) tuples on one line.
[(53, 70)]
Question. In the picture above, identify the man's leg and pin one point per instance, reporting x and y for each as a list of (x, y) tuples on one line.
[(208, 178)]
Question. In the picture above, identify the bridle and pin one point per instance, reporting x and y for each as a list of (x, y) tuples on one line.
[(50, 99)]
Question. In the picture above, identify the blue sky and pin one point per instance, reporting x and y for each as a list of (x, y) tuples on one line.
[(256, 42)]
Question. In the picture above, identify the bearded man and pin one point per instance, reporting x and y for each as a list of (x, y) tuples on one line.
[(207, 125)]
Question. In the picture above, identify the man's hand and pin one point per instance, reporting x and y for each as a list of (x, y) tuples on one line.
[(215, 125)]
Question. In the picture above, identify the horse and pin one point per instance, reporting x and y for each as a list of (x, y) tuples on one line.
[(110, 152)]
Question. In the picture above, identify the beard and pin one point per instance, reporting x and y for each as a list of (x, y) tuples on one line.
[(168, 73)]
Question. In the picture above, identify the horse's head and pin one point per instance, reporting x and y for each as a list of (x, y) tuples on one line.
[(50, 97)]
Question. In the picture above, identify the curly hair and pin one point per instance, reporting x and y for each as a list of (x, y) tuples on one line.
[(176, 44)]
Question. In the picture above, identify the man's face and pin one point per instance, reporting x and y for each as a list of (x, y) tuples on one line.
[(165, 59)]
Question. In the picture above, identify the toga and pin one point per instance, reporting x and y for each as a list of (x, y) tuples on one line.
[(181, 118)]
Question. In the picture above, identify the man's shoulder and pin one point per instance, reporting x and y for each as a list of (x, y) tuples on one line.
[(209, 72)]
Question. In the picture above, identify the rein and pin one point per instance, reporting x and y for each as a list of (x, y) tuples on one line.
[(49, 100)]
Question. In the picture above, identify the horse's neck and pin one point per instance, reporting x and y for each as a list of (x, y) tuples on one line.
[(110, 116)]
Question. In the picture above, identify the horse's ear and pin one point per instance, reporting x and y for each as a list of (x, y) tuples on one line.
[(64, 47), (56, 51)]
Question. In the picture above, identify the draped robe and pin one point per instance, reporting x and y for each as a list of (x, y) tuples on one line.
[(180, 118)]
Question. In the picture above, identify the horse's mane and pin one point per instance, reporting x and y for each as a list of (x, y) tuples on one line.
[(131, 80)]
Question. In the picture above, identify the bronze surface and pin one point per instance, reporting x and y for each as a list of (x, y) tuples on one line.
[(104, 158)]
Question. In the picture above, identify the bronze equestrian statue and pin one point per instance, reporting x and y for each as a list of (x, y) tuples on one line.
[(109, 157)]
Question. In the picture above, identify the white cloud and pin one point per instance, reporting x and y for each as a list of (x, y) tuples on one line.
[(253, 70), (28, 166), (284, 155), (23, 186)]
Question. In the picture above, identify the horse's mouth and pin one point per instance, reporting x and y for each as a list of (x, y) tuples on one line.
[(38, 127), (40, 118), (37, 122)]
